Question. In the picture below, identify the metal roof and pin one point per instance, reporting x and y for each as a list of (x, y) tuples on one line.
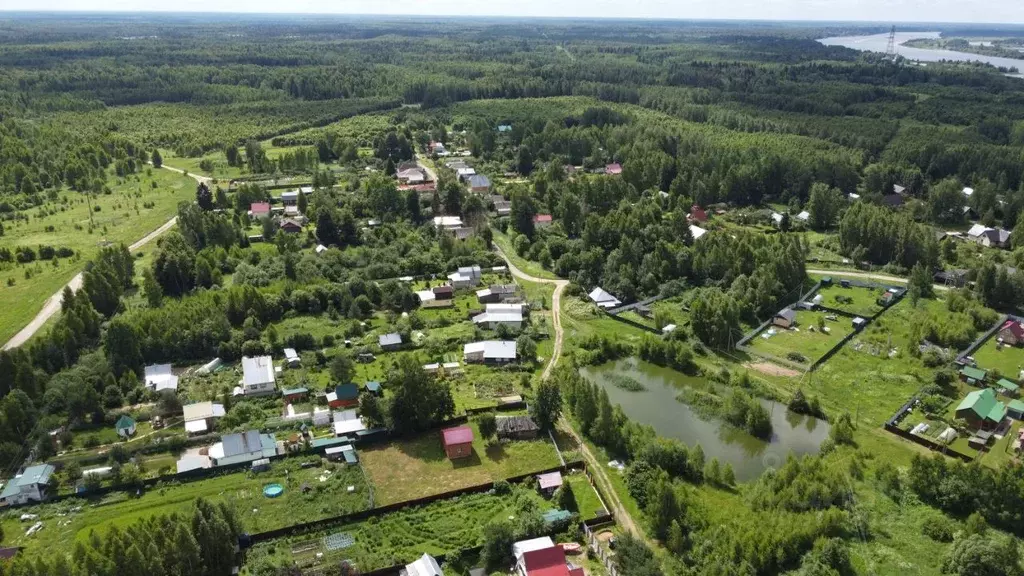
[(392, 339), (241, 443), (257, 370), (503, 349), (457, 435)]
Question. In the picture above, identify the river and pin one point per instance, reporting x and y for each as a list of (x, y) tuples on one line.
[(878, 43), (657, 407)]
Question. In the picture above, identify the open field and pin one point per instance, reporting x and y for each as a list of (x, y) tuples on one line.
[(1007, 360), (801, 339), (588, 504), (133, 209), (243, 490), (408, 469), (862, 299), (404, 535)]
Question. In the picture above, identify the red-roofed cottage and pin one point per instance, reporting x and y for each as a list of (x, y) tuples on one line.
[(542, 220), (547, 562), (1012, 333), (458, 442), (698, 214), (259, 209)]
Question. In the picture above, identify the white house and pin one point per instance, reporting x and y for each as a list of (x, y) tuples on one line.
[(603, 299), (257, 375), (291, 358), (243, 447), (347, 422), (426, 565), (490, 352), (491, 320), (29, 486), (465, 277), (805, 216), (499, 307), (448, 222), (200, 417), (159, 377)]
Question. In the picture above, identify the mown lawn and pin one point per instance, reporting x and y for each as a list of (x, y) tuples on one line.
[(1007, 360), (417, 467), (588, 503), (801, 339), (63, 525), (133, 209), (863, 299)]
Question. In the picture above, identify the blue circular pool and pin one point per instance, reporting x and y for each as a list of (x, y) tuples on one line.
[(273, 490)]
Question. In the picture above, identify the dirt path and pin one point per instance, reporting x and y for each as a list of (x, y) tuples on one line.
[(772, 369), (597, 468), (870, 276), (52, 305)]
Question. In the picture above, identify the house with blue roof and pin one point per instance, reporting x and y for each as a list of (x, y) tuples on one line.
[(30, 486)]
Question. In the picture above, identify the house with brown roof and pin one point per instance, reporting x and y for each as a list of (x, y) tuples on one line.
[(1012, 333), (291, 226)]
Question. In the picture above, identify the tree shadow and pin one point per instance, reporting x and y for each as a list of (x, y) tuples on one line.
[(465, 462), (496, 452)]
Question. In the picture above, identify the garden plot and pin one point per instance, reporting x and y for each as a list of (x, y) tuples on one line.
[(418, 467), (1008, 361), (813, 335)]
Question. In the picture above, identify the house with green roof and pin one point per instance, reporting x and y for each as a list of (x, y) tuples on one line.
[(125, 426), (29, 486), (972, 375), (981, 410), (1008, 387), (1015, 409)]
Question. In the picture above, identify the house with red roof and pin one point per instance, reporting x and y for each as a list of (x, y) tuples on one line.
[(458, 442), (542, 220), (259, 209), (1012, 333), (615, 168), (698, 214), (541, 557)]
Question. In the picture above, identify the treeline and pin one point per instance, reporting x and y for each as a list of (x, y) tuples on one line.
[(201, 542)]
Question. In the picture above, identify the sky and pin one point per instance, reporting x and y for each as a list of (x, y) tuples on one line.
[(951, 11)]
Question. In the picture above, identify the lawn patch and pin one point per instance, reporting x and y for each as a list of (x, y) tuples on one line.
[(806, 342)]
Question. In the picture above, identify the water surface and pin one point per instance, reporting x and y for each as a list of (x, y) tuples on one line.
[(879, 42), (657, 407)]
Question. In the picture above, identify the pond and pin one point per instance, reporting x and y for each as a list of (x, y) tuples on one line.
[(657, 407), (879, 42)]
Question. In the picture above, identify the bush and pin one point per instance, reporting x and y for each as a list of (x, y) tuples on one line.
[(938, 529)]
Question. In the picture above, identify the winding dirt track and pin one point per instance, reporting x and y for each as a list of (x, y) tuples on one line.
[(52, 305), (596, 467)]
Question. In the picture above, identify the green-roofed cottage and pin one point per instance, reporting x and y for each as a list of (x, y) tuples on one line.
[(125, 426), (972, 375), (981, 410), (1008, 387), (1015, 409)]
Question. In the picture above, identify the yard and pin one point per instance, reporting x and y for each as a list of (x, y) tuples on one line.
[(133, 209), (1007, 360), (855, 300), (409, 469), (399, 537), (805, 339), (588, 503), (70, 520)]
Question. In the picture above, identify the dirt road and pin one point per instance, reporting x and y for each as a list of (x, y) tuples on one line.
[(870, 276), (53, 303), (597, 468)]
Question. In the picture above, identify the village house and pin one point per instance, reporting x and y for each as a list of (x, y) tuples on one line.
[(613, 169), (347, 422), (541, 557), (29, 486), (516, 427), (549, 482), (981, 410), (426, 565), (458, 442), (290, 225), (465, 173), (343, 396), (125, 426), (1008, 387), (972, 375), (479, 184), (374, 388), (429, 299), (496, 293), (1011, 333), (697, 214), (292, 395), (411, 176), (291, 358), (803, 216), (785, 318), (502, 207), (490, 352), (389, 342), (989, 237), (290, 198), (465, 277), (603, 299), (159, 377), (201, 417), (437, 148), (542, 220), (498, 308), (257, 376), (491, 320), (696, 232), (448, 222), (243, 447), (259, 209), (445, 292)]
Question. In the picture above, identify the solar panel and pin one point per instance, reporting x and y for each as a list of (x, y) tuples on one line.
[(338, 541)]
